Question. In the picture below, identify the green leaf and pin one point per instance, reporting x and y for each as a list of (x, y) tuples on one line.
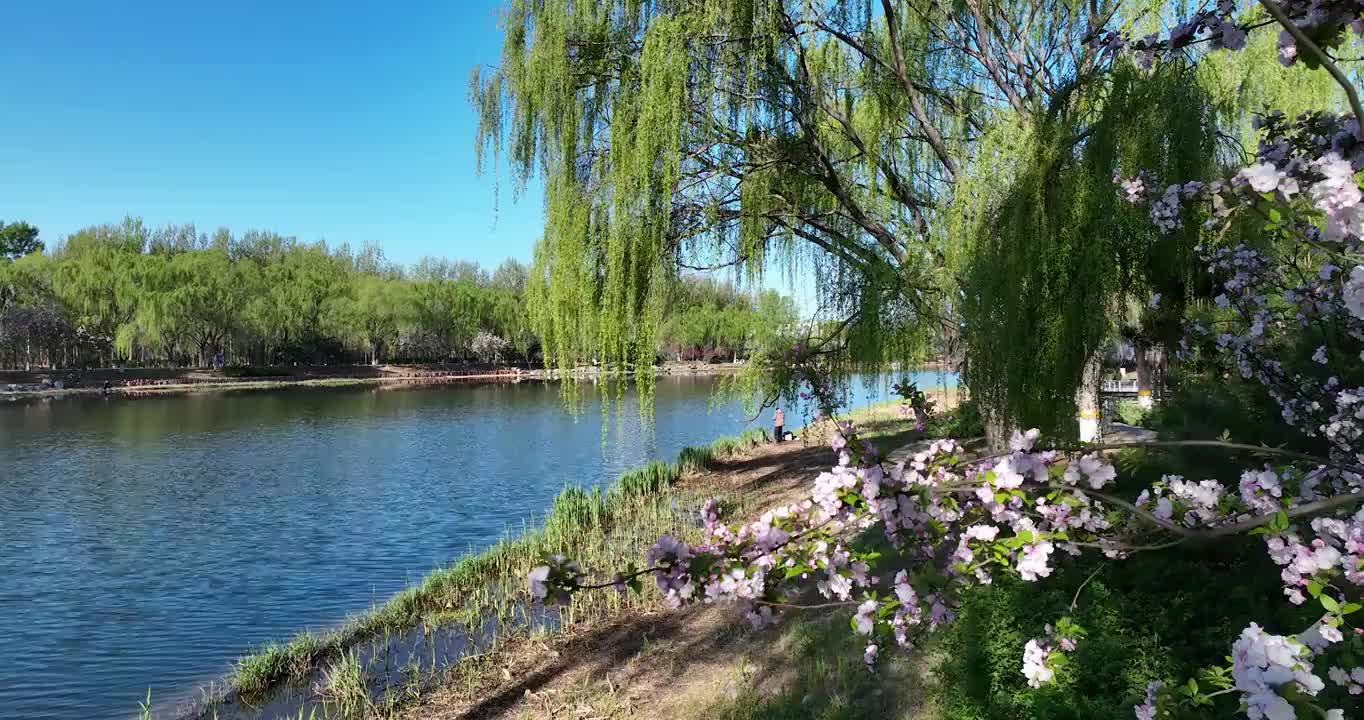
[(1350, 608), (1329, 603), (1314, 588)]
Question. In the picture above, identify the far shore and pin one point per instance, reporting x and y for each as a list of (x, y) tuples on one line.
[(137, 382)]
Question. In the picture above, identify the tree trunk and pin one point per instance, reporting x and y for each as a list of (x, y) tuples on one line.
[(1144, 398), (1087, 397), (999, 427)]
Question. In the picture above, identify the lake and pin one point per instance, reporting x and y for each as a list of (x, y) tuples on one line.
[(148, 542)]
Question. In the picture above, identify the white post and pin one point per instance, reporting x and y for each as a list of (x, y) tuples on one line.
[(1089, 427), (1087, 398)]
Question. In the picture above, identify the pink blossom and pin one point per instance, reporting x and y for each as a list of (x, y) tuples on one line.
[(986, 533), (1263, 177), (1147, 710), (1034, 559), (866, 616), (1353, 292), (538, 575), (1035, 665)]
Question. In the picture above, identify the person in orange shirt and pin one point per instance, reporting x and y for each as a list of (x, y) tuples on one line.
[(779, 425)]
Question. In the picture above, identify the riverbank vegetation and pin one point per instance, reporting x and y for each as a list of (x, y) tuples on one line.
[(131, 295)]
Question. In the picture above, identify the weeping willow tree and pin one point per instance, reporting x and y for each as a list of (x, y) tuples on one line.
[(1055, 255), (814, 138), (1056, 266)]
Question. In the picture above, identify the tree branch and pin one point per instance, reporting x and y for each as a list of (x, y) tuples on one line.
[(1274, 9)]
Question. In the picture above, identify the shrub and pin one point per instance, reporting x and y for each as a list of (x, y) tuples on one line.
[(1161, 616), (1132, 413), (963, 421), (1205, 405)]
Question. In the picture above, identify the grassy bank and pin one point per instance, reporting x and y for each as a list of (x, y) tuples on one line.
[(601, 528)]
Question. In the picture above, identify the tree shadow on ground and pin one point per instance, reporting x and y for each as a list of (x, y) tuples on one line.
[(812, 667)]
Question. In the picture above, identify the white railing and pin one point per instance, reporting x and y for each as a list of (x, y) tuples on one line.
[(1120, 386)]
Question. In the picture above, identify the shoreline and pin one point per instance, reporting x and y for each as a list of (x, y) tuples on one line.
[(144, 382), (178, 382)]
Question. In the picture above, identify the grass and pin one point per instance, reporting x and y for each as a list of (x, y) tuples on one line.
[(813, 669), (345, 687), (601, 529)]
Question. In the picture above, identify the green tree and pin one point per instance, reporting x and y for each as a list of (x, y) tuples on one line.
[(510, 275), (381, 308), (1054, 253), (170, 295), (18, 239), (872, 145), (738, 133)]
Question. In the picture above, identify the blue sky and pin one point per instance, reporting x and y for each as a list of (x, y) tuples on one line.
[(343, 121)]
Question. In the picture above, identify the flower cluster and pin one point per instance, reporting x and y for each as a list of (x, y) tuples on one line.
[(1216, 25), (1352, 680), (1042, 656), (1147, 709), (1322, 21), (1265, 665), (914, 404), (1307, 163), (1308, 281), (1328, 553), (555, 579), (959, 522)]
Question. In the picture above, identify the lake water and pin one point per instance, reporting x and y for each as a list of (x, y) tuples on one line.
[(147, 542)]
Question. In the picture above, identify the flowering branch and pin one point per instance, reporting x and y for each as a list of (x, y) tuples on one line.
[(1302, 39)]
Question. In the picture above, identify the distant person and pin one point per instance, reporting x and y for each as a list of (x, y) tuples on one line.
[(779, 425)]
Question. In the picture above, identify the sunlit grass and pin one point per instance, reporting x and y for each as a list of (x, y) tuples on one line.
[(345, 688)]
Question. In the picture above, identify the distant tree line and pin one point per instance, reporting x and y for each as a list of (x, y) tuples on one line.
[(711, 320), (130, 295)]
